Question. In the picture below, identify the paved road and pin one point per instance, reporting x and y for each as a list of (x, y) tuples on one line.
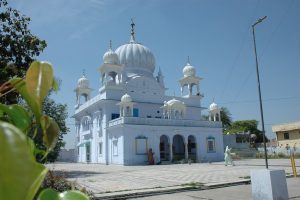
[(227, 193), (103, 179)]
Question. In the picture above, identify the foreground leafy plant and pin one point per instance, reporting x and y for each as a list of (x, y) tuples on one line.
[(21, 176)]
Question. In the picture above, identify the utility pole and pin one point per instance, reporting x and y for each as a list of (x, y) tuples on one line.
[(259, 91)]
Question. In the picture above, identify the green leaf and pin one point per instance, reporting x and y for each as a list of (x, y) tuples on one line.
[(18, 115), (21, 176), (20, 85), (48, 194), (39, 80), (50, 132), (73, 195), (55, 85)]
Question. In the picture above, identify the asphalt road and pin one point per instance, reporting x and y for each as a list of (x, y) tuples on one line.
[(239, 192)]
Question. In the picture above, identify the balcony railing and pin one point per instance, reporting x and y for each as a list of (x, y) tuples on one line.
[(163, 122)]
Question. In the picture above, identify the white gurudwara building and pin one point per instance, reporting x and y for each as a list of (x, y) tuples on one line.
[(131, 114)]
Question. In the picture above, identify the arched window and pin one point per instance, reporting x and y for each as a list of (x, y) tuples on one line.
[(85, 123), (211, 146), (127, 111)]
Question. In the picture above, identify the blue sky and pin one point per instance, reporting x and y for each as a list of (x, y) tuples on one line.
[(216, 34)]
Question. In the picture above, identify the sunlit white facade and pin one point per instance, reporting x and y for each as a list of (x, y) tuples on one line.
[(132, 114)]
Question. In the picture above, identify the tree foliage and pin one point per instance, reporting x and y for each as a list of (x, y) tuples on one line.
[(18, 49), (246, 126), (225, 118), (21, 176), (18, 46), (59, 113)]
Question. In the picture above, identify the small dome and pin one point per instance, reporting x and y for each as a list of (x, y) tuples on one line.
[(136, 58), (189, 70), (175, 103), (83, 82), (110, 57), (126, 98), (213, 106)]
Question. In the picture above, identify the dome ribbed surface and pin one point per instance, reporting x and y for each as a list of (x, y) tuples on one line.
[(189, 70), (136, 57), (110, 57), (83, 82)]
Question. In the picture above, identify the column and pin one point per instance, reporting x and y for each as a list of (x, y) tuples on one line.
[(171, 151), (186, 151), (119, 78)]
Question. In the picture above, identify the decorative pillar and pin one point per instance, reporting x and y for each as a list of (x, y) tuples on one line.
[(186, 151), (119, 78), (171, 151)]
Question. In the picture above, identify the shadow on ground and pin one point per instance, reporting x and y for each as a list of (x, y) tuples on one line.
[(76, 174)]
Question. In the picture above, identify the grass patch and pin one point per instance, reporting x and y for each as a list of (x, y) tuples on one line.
[(193, 184), (245, 177)]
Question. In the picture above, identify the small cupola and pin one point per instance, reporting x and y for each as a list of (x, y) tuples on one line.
[(126, 106), (110, 57), (190, 81), (214, 112), (82, 89), (174, 109)]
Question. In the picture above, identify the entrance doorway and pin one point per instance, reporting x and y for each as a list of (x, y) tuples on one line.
[(88, 152), (164, 148), (178, 148), (192, 148)]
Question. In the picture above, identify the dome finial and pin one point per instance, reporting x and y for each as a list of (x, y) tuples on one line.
[(83, 72), (132, 39), (188, 59), (110, 45)]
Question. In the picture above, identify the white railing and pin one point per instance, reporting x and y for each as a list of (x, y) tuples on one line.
[(163, 122), (88, 103)]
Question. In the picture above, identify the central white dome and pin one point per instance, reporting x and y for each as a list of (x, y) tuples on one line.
[(136, 58)]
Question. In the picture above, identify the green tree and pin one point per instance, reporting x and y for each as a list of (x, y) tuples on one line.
[(225, 118), (246, 126), (18, 47), (59, 113), (21, 176)]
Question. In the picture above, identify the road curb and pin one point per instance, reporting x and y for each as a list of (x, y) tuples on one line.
[(168, 190)]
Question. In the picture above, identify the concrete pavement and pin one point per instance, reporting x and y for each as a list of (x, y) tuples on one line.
[(109, 180)]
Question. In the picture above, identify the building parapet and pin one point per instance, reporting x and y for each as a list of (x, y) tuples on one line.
[(88, 104), (164, 122), (286, 127)]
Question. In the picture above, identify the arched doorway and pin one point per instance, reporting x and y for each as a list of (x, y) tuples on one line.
[(192, 148), (178, 148), (164, 148)]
